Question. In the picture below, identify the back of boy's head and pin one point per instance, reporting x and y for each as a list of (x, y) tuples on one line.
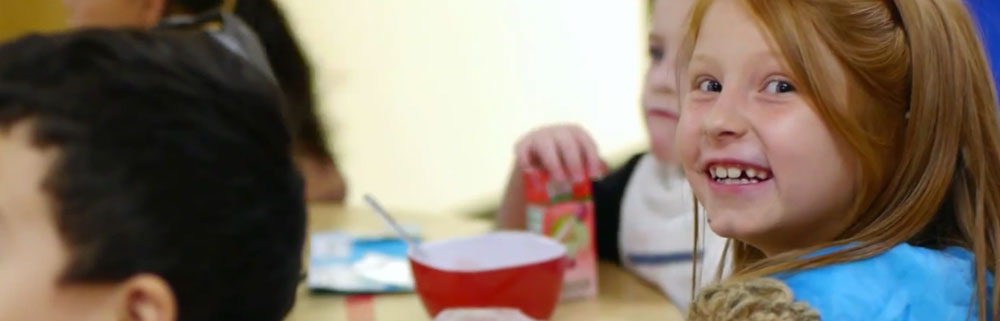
[(173, 160)]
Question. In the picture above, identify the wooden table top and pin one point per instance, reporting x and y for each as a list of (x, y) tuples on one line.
[(622, 296)]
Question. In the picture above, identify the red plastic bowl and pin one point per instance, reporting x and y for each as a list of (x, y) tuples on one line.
[(504, 269)]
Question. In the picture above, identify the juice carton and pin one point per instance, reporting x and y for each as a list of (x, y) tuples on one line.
[(565, 212)]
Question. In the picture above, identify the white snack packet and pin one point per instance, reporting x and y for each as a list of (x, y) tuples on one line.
[(482, 314)]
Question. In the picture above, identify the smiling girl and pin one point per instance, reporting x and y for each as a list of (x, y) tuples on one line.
[(849, 148)]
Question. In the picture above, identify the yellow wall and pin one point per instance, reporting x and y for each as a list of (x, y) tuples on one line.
[(426, 98), (20, 16)]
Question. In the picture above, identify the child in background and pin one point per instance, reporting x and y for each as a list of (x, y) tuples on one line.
[(144, 177), (276, 50), (643, 210), (850, 148)]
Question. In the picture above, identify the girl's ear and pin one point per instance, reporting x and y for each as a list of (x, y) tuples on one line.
[(146, 297)]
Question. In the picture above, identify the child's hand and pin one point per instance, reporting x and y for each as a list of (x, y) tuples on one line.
[(566, 152)]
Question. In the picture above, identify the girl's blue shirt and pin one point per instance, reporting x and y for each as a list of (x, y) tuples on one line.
[(904, 283)]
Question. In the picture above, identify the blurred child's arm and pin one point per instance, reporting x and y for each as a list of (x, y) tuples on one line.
[(511, 213), (322, 178)]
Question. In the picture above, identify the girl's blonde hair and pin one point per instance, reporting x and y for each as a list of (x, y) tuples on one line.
[(920, 117)]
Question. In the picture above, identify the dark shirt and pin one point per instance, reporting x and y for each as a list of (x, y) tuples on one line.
[(608, 193)]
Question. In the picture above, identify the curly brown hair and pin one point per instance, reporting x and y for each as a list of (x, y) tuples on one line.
[(757, 299)]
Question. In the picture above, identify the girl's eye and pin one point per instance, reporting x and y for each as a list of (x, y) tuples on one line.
[(778, 87), (709, 85), (655, 53)]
